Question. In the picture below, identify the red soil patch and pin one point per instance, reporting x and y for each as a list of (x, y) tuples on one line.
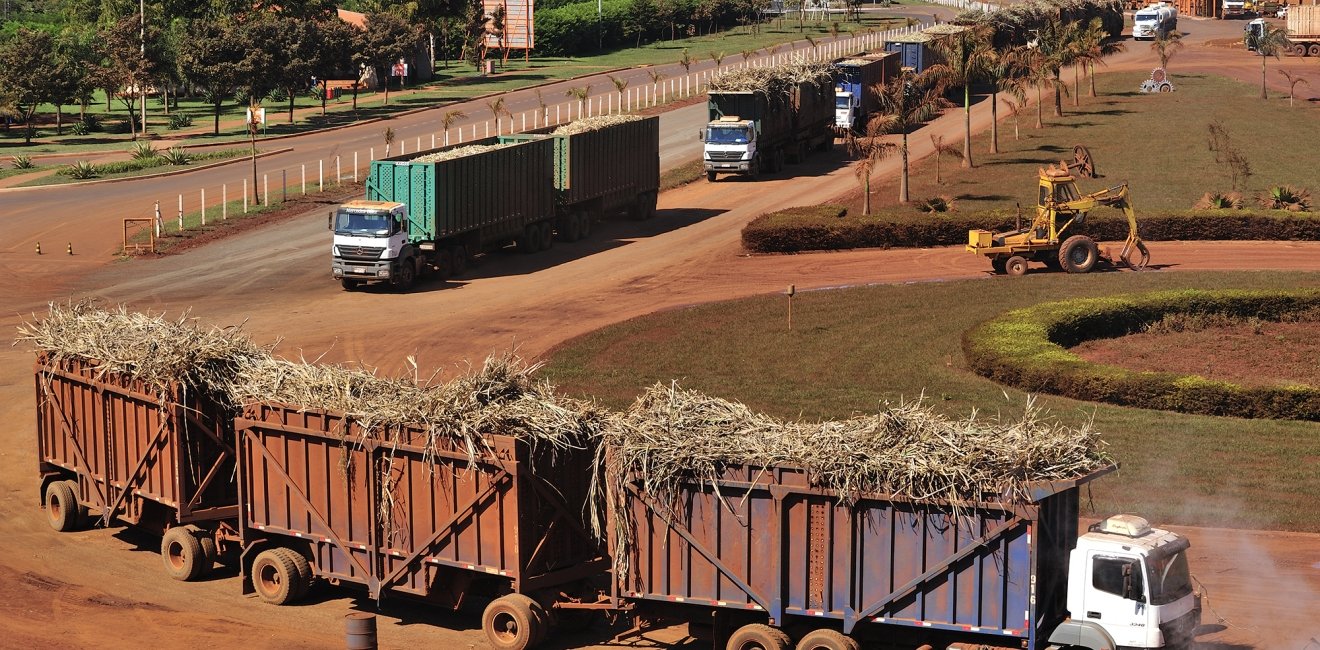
[(1276, 353)]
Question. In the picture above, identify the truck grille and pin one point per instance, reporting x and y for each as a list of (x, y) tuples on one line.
[(726, 156), (360, 253)]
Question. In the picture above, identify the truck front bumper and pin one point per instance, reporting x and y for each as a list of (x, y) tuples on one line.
[(377, 270), (738, 166)]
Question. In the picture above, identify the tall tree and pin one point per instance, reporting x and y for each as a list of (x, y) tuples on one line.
[(334, 55), (24, 59), (1004, 72), (1166, 46), (127, 68), (1056, 43), (387, 39), (1094, 45), (296, 45), (1037, 73), (906, 101), (966, 56), (212, 57), (870, 148), (68, 72), (1268, 42)]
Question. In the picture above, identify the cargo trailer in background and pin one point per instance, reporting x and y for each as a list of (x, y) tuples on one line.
[(857, 87), (111, 449), (751, 132)]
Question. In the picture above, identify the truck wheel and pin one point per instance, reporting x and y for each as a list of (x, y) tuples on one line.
[(827, 640), (587, 221), (275, 577), (1078, 254), (1015, 266), (758, 637), (182, 552), (547, 230), (826, 146), (348, 285), (527, 241), (62, 506), (407, 273), (458, 260), (513, 622), (305, 575), (710, 176), (1313, 49)]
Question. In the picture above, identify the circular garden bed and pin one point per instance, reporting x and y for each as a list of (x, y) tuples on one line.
[(1031, 349)]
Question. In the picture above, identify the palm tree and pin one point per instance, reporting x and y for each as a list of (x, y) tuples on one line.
[(497, 109), (1093, 46), (655, 76), (905, 101), (966, 54), (1005, 73), (870, 148), (1269, 41), (580, 94), (449, 119), (1293, 80), (620, 85), (1056, 42), (1166, 46), (1036, 72)]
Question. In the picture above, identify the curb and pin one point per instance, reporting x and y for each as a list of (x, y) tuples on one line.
[(173, 172)]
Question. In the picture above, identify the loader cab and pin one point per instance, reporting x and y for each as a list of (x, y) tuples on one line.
[(1056, 188), (1133, 581)]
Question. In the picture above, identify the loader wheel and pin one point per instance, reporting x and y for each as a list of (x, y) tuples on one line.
[(513, 622), (62, 506), (185, 558), (1016, 266), (1078, 254), (276, 578), (710, 176), (997, 263), (758, 637), (827, 640)]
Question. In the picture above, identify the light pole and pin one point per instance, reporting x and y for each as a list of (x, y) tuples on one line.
[(600, 26), (142, 89)]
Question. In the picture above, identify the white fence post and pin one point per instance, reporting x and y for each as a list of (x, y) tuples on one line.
[(203, 206), (338, 177), (355, 166), (265, 190), (224, 202), (320, 176), (180, 213), (245, 200), (304, 179)]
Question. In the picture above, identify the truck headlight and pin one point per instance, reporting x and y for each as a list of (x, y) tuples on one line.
[(334, 250), (747, 155)]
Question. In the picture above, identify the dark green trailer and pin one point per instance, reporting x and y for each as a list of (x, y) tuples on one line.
[(424, 217), (613, 168)]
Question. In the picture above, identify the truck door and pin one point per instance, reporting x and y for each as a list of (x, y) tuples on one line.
[(1115, 597)]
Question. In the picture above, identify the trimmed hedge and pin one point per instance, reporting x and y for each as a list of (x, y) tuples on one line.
[(794, 230), (1027, 349)]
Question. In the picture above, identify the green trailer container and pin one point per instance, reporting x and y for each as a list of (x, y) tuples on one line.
[(615, 168)]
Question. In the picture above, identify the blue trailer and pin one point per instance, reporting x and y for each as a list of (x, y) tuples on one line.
[(774, 561)]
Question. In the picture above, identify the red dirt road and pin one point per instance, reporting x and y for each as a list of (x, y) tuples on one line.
[(105, 588)]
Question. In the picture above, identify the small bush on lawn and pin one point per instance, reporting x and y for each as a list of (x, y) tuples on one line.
[(23, 162), (1028, 349), (176, 156), (180, 120), (797, 230), (81, 170), (142, 150)]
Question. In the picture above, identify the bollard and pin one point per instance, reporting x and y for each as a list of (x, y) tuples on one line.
[(360, 631), (38, 248), (69, 249)]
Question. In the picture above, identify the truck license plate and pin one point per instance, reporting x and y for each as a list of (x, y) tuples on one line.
[(359, 269)]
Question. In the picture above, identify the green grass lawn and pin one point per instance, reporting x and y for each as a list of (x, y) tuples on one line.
[(453, 82), (1157, 143), (853, 350)]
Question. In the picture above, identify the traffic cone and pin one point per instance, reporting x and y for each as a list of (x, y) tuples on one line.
[(38, 248), (69, 249)]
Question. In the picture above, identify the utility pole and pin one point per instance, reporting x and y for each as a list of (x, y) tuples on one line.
[(142, 87)]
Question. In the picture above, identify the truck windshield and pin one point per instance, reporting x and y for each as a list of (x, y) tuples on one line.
[(1144, 18), (842, 101), (727, 135), (1169, 577), (364, 223)]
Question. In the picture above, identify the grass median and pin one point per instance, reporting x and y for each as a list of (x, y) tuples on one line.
[(851, 350)]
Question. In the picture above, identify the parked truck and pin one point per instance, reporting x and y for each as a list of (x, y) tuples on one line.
[(1155, 21), (771, 560), (1303, 24), (753, 131), (113, 450), (856, 87), (431, 212)]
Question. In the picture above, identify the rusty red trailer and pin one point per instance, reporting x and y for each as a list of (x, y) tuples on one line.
[(401, 514), (765, 556), (113, 447)]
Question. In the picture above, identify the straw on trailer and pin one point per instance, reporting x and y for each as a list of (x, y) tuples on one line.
[(595, 123), (775, 81), (458, 152)]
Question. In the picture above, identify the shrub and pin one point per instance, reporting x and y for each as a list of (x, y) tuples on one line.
[(80, 128), (180, 121), (1219, 201), (278, 95), (1027, 349), (176, 156), (92, 122), (1287, 197), (142, 150), (936, 204), (82, 170), (794, 231), (122, 166), (23, 162)]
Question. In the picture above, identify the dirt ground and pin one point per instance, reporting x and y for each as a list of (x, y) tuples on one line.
[(105, 588), (1270, 354)]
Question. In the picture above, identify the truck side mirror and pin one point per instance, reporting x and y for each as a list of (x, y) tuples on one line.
[(701, 136), (330, 221), (1132, 586)]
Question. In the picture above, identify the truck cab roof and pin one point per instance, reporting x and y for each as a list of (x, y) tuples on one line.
[(1132, 533), (370, 205)]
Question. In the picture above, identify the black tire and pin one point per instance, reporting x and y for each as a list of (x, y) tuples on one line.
[(526, 242), (458, 260), (1078, 254), (827, 640), (710, 176), (646, 205), (826, 146), (547, 230), (407, 273), (1313, 49), (305, 575), (513, 622), (997, 264), (1016, 266), (183, 555), (758, 637), (209, 549), (348, 285), (275, 577), (62, 509), (569, 228), (444, 264), (1051, 262), (587, 221)]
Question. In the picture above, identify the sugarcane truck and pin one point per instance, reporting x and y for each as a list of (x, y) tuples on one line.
[(1303, 24), (750, 132), (856, 86), (431, 218)]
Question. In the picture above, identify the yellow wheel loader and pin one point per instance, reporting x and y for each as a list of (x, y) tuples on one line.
[(1053, 237)]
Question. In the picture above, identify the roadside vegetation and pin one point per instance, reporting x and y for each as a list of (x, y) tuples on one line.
[(851, 351)]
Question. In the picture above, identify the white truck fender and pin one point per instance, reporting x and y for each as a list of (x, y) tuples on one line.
[(1082, 634)]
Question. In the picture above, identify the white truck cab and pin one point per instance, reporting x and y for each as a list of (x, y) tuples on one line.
[(1133, 581), (845, 109), (730, 145), (370, 237)]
